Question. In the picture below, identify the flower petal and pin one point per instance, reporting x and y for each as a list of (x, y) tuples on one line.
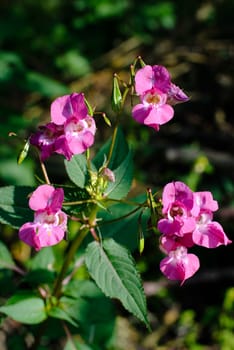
[(40, 197), (210, 235), (159, 115), (144, 79), (61, 109)]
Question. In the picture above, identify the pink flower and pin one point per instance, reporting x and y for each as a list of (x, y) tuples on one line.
[(157, 94), (178, 203), (71, 131), (179, 265), (79, 127), (50, 222), (69, 106), (208, 233), (187, 221), (153, 110), (46, 139)]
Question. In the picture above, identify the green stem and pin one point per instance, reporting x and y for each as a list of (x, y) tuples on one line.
[(120, 218), (79, 202), (112, 144), (70, 255), (73, 248)]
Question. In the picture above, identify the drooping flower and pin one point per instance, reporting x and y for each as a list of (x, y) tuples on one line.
[(157, 94), (50, 222), (179, 265), (208, 233), (187, 221), (46, 139), (178, 202)]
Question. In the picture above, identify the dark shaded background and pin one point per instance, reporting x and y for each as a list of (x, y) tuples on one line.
[(49, 48)]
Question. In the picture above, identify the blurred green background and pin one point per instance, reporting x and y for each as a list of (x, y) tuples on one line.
[(50, 48)]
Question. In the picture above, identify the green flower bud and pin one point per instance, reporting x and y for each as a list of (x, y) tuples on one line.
[(116, 98)]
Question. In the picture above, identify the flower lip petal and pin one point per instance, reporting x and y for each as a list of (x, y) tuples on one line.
[(160, 115), (179, 265), (210, 235)]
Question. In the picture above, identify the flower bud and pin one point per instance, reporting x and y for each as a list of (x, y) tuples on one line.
[(108, 175), (24, 152), (116, 98)]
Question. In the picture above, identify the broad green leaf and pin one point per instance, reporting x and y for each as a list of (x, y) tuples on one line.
[(126, 223), (79, 300), (83, 297), (123, 179), (75, 194), (77, 170), (62, 311), (119, 153), (6, 261), (26, 308), (83, 288), (113, 269), (14, 209), (44, 259)]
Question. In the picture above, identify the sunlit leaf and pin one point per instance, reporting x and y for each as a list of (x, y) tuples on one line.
[(26, 308), (113, 269)]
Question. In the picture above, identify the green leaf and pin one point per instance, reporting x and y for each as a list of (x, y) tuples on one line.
[(75, 194), (26, 308), (79, 300), (118, 155), (62, 310), (6, 261), (126, 227), (82, 298), (44, 259), (77, 170), (123, 179), (14, 209), (113, 269)]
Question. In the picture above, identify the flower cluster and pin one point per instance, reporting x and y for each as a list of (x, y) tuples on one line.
[(187, 221), (71, 130), (187, 216), (157, 94), (50, 222)]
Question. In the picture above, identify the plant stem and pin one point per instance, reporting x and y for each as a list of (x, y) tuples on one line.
[(112, 144), (43, 168), (73, 248)]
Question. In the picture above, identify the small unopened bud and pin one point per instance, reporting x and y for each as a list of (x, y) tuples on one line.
[(108, 175), (141, 244), (116, 98), (90, 109), (24, 152)]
